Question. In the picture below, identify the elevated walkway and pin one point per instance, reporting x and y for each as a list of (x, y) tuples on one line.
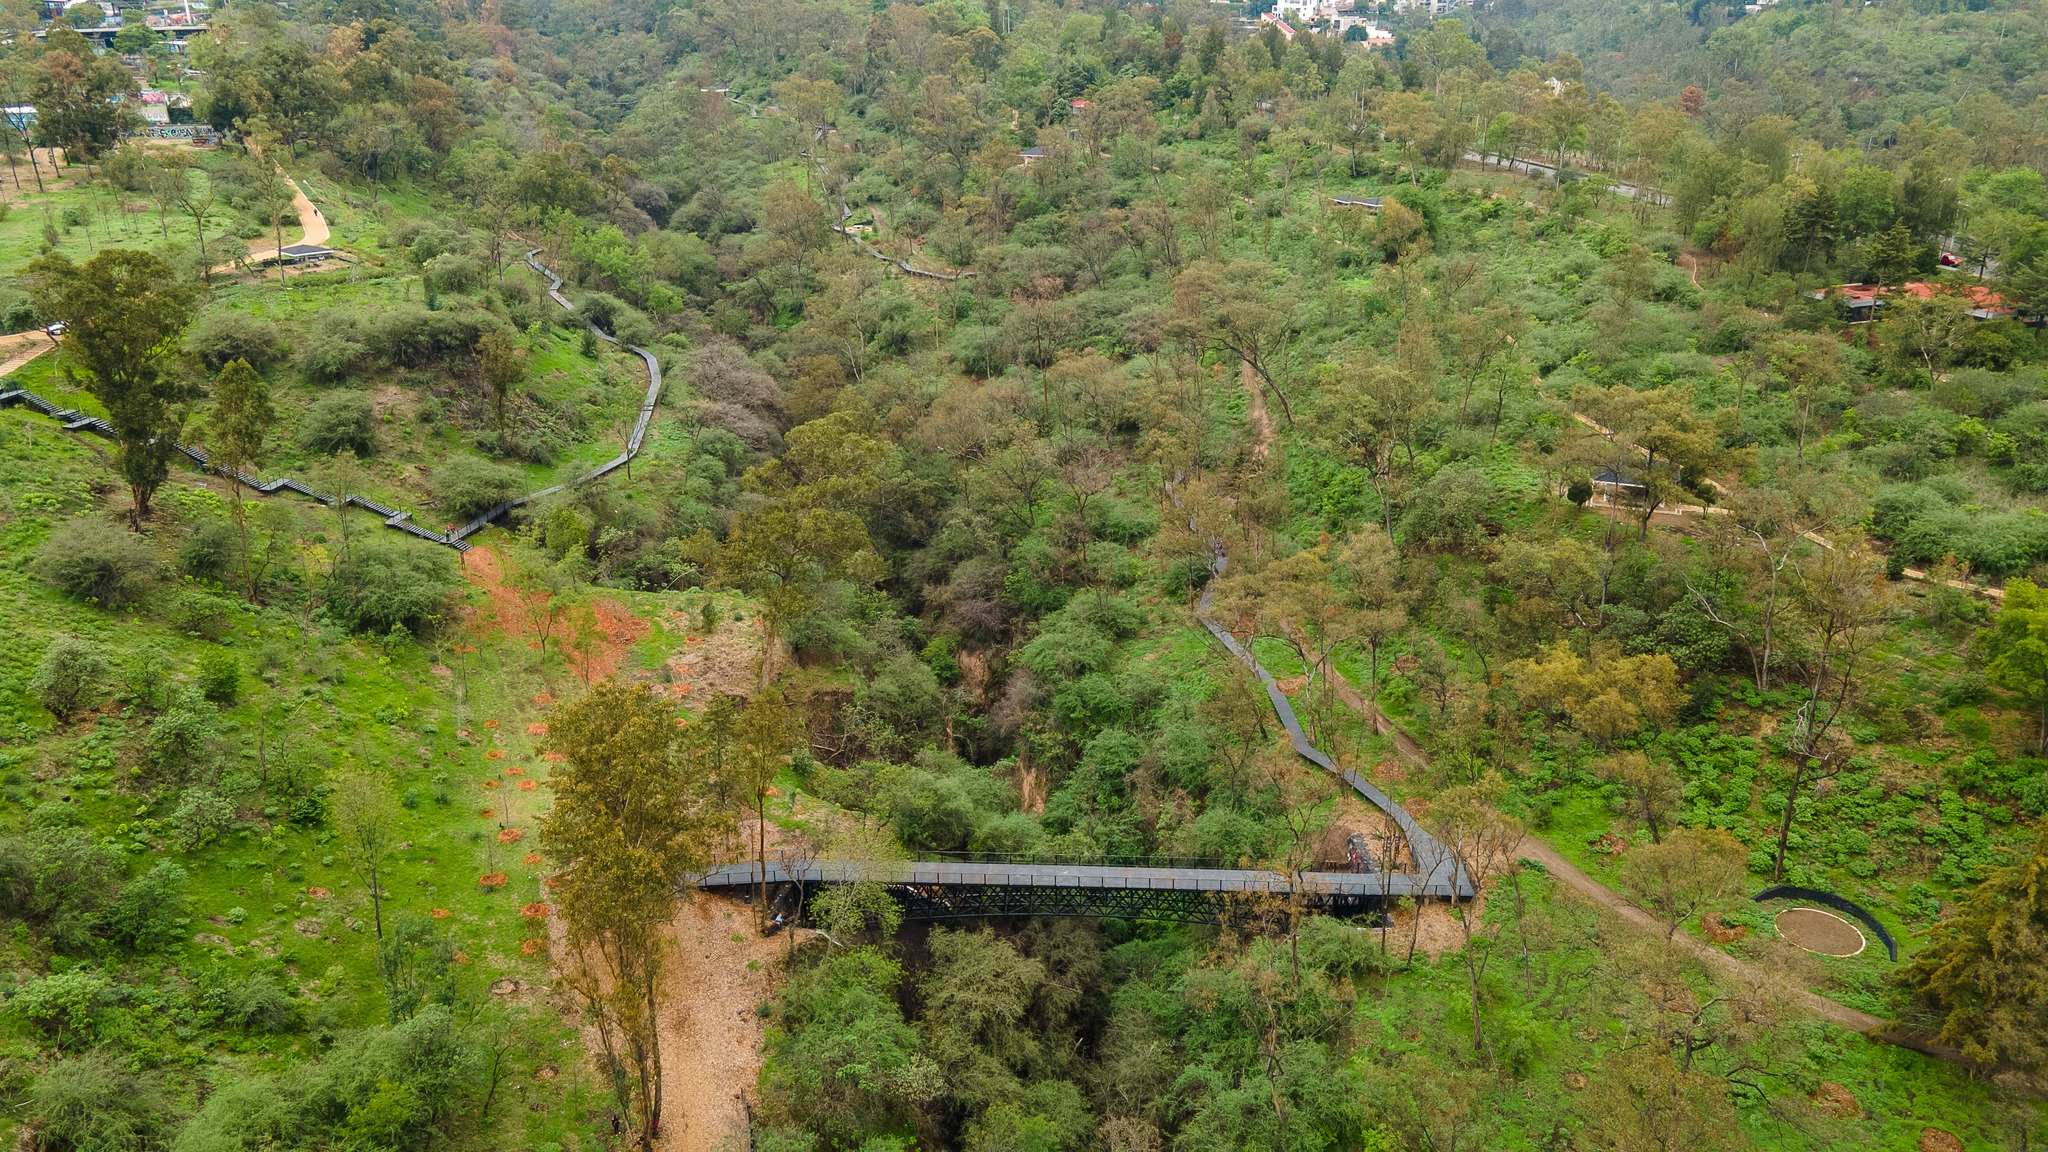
[(458, 538), (953, 889), (948, 889)]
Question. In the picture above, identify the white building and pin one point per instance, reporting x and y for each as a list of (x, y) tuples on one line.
[(1375, 35), (1306, 12)]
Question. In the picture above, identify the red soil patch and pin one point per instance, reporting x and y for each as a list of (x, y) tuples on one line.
[(487, 813), (510, 836), (491, 724), (528, 785), (491, 881), (618, 630), (461, 957), (536, 729), (495, 754), (1721, 933), (1611, 844), (1836, 1101), (553, 757), (515, 772), (318, 893), (1937, 1140), (1390, 771), (532, 858), (538, 910), (440, 913), (532, 947), (491, 782), (485, 568)]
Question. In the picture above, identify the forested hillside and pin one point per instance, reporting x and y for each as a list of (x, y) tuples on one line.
[(1621, 432)]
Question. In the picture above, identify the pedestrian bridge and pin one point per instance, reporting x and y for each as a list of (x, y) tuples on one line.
[(951, 889)]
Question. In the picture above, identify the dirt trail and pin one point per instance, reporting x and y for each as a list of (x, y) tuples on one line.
[(1404, 744), (1679, 513), (21, 347), (312, 230), (712, 1029), (1604, 897), (1255, 411), (1556, 864)]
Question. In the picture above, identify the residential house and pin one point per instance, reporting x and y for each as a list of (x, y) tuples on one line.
[(1861, 301)]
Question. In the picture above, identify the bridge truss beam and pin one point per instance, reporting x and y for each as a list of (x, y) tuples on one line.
[(1178, 906)]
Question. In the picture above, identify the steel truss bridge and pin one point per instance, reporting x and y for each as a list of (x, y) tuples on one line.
[(960, 889), (954, 889)]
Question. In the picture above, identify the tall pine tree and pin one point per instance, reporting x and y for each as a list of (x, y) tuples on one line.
[(1986, 976)]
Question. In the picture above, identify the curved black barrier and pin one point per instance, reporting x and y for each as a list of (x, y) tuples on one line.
[(1839, 904), (458, 539)]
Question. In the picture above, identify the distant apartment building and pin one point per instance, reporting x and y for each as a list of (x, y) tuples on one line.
[(1434, 8), (1302, 13)]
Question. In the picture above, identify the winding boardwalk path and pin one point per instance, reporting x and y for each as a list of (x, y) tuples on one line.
[(457, 538)]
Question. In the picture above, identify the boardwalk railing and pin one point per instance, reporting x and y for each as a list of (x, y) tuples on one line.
[(846, 213), (950, 889), (1433, 862), (1141, 888), (458, 538)]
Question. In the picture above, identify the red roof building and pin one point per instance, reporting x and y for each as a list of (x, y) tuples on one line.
[(1861, 300)]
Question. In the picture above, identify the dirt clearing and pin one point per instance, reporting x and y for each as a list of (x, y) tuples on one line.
[(725, 662), (712, 1028)]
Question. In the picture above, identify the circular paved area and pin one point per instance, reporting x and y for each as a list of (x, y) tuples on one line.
[(1819, 931)]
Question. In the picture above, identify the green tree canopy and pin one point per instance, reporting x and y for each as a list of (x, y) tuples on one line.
[(123, 313)]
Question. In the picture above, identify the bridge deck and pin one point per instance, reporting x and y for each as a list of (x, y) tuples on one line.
[(964, 874)]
